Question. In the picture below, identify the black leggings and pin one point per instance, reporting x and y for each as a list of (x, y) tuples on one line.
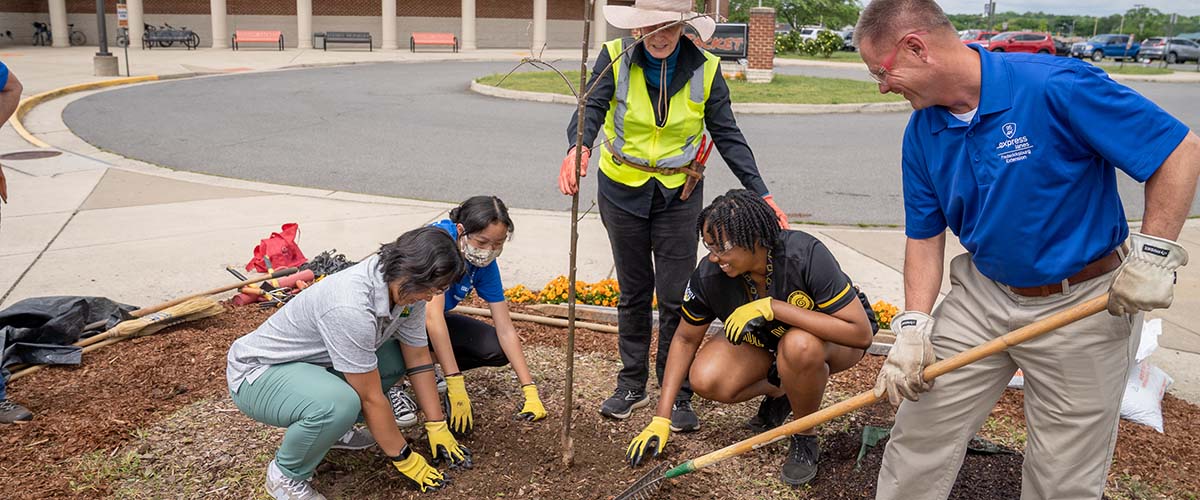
[(475, 343)]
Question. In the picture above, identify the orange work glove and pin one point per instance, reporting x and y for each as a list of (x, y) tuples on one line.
[(566, 174), (783, 222)]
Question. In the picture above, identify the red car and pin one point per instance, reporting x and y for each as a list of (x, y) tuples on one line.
[(977, 36), (1022, 41)]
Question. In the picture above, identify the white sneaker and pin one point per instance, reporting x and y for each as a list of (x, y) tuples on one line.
[(281, 487), (403, 407), (357, 438)]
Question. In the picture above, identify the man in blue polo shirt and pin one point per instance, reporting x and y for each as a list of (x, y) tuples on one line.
[(10, 95), (1017, 155)]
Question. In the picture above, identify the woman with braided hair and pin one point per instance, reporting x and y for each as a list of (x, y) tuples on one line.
[(791, 318)]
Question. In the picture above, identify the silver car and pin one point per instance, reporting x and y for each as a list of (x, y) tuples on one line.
[(1178, 50)]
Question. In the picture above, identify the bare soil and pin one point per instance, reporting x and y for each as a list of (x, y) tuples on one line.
[(150, 418)]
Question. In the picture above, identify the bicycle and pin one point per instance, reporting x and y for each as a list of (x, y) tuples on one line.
[(42, 36)]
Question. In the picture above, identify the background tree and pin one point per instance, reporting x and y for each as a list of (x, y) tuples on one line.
[(796, 13)]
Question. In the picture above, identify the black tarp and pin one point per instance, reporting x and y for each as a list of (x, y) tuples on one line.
[(41, 330)]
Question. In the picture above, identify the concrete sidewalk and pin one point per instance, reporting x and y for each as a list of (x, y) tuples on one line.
[(88, 222)]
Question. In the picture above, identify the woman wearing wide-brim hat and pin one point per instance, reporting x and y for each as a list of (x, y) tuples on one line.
[(655, 105)]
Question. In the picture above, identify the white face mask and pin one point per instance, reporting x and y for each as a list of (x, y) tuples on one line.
[(477, 257)]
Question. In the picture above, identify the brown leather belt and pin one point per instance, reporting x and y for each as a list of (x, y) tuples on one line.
[(694, 174), (620, 159), (1097, 268)]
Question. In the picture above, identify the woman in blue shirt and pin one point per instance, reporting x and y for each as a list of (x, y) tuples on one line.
[(481, 226)]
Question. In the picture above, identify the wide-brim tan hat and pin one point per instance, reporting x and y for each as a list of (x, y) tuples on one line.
[(651, 12)]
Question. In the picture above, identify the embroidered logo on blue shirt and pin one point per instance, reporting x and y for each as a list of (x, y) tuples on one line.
[(1013, 149)]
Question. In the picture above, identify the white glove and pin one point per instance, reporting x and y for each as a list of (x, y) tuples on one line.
[(913, 351), (1146, 280)]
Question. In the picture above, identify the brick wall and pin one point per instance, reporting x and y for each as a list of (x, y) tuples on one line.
[(244, 7), (25, 6), (761, 52)]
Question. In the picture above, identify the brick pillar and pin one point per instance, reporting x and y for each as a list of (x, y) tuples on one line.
[(761, 51)]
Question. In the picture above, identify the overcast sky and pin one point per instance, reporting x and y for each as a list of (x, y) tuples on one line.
[(1078, 7)]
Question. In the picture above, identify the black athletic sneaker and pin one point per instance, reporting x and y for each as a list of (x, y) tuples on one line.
[(683, 418), (772, 413), (623, 402), (801, 464)]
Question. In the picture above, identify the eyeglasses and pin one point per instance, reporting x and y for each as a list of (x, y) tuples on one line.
[(880, 75), (719, 250), (487, 244)]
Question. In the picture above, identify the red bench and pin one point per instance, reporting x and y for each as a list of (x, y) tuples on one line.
[(257, 36), (432, 39)]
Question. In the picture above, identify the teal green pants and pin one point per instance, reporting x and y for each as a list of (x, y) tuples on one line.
[(314, 403)]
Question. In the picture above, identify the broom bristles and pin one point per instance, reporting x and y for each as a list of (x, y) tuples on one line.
[(197, 308)]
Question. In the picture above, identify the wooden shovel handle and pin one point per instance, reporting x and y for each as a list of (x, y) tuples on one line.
[(279, 273), (1031, 331)]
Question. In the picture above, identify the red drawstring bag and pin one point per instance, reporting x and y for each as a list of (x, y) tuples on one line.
[(281, 248)]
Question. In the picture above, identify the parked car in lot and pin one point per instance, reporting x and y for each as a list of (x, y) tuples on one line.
[(1062, 47), (1021, 41), (811, 32), (848, 41), (1109, 45), (981, 37), (1179, 50)]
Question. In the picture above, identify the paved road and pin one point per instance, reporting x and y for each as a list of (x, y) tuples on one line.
[(414, 131)]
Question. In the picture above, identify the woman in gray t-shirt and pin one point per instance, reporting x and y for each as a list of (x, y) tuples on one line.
[(324, 359)]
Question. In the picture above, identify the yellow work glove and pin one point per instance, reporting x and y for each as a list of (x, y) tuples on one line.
[(458, 410), (444, 447), (652, 439), (533, 409), (414, 467), (748, 318)]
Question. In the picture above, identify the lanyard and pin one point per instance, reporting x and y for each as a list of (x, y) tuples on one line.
[(752, 288)]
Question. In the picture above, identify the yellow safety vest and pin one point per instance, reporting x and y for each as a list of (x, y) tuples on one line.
[(632, 129)]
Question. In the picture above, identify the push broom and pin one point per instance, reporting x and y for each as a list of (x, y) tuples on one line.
[(646, 487)]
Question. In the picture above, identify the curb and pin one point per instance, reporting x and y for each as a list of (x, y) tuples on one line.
[(29, 103), (749, 108)]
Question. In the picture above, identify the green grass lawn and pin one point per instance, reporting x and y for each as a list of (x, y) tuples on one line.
[(785, 89), (839, 56), (1136, 69)]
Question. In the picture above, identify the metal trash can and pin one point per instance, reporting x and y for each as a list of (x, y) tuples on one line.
[(319, 41)]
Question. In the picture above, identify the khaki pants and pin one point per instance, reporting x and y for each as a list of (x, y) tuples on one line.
[(1074, 380)]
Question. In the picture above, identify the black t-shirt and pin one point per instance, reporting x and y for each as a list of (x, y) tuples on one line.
[(805, 274)]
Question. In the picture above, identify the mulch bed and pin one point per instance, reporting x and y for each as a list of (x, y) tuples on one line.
[(122, 398)]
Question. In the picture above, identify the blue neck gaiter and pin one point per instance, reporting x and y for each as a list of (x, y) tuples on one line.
[(654, 67)]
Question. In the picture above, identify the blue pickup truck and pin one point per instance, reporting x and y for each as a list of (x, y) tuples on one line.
[(1101, 46)]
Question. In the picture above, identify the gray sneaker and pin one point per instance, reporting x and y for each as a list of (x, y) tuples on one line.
[(281, 487), (403, 407), (622, 403), (12, 413), (358, 438)]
